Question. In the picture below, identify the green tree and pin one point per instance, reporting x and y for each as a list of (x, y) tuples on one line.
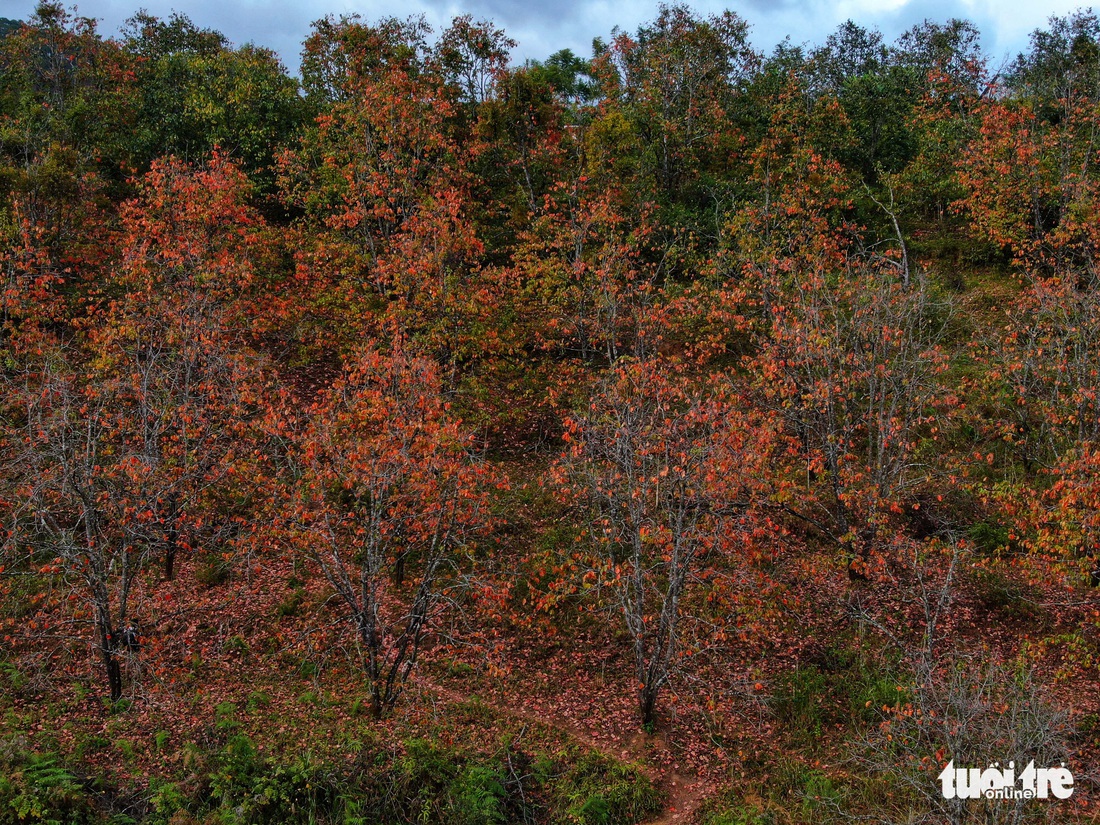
[(196, 93)]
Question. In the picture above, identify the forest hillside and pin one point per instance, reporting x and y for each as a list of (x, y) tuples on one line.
[(677, 433)]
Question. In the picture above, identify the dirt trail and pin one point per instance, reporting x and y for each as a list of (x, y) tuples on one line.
[(686, 792), (685, 796)]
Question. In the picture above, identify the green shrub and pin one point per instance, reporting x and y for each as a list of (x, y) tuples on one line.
[(819, 793), (478, 796), (256, 700), (248, 790), (597, 790), (224, 715), (12, 678), (235, 784), (166, 800), (741, 814), (35, 788), (212, 570), (290, 605), (873, 691), (426, 771), (594, 811), (800, 702), (989, 538), (91, 744), (235, 644), (840, 686)]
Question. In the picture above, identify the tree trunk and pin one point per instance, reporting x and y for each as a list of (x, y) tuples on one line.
[(647, 704), (377, 708), (107, 639), (399, 570), (170, 557), (171, 541), (114, 677)]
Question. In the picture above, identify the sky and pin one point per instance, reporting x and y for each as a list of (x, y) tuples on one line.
[(543, 26)]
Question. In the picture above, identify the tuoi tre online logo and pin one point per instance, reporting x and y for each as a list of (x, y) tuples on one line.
[(997, 783)]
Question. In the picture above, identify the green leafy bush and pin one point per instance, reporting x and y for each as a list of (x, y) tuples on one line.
[(597, 790), (212, 570), (35, 788), (477, 797)]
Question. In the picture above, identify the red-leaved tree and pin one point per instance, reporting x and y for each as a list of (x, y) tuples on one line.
[(669, 471), (388, 498)]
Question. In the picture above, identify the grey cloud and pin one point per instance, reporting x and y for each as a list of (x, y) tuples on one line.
[(544, 26)]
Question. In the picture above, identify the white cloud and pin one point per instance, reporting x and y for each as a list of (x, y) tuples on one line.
[(544, 26)]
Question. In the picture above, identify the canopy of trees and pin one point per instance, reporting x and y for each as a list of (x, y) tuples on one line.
[(748, 400)]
